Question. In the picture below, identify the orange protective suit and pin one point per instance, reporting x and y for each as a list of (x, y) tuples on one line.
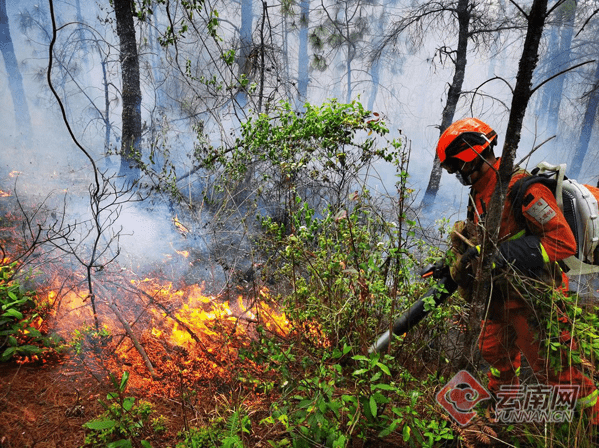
[(511, 327)]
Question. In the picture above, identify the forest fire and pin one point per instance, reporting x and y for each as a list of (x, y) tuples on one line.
[(4, 194), (159, 329)]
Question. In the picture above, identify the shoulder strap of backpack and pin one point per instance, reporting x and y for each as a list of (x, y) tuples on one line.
[(517, 194), (560, 176)]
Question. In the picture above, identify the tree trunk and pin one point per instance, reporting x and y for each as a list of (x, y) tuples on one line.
[(351, 53), (545, 93), (247, 61), (520, 99), (375, 66), (567, 12), (15, 80), (587, 128), (81, 31), (303, 60), (453, 95), (131, 91)]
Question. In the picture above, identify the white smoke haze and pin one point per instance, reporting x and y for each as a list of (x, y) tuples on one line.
[(411, 95)]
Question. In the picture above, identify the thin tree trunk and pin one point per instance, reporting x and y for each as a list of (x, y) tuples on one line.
[(15, 80), (131, 90), (246, 61), (587, 128), (545, 93), (303, 61), (453, 96), (107, 124), (568, 13), (375, 66), (351, 51), (520, 99)]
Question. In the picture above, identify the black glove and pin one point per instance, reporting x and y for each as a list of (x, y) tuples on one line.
[(469, 255), (460, 267), (524, 254)]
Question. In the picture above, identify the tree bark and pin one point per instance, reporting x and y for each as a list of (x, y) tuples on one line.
[(453, 96), (247, 61), (567, 13), (303, 60), (131, 90), (15, 80), (520, 99), (587, 127)]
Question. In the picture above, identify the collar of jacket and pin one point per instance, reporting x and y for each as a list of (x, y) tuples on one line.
[(488, 180)]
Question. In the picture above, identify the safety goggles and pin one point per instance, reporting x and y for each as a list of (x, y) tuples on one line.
[(451, 164)]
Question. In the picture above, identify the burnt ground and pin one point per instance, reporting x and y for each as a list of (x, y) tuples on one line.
[(46, 406)]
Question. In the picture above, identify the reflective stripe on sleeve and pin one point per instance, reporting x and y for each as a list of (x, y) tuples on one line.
[(544, 253), (520, 234)]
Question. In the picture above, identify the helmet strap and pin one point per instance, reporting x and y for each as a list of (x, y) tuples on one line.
[(466, 178)]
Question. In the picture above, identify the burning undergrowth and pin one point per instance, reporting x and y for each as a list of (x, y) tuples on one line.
[(171, 337), (160, 332)]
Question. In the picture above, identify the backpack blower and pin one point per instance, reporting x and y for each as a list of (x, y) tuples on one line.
[(444, 288)]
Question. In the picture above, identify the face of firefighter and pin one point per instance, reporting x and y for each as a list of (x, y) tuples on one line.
[(466, 172)]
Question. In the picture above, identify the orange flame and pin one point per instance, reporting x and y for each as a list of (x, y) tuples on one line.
[(180, 227)]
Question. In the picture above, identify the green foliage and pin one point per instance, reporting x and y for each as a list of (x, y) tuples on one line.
[(218, 433), (18, 336), (336, 265), (177, 31), (203, 437), (319, 152), (329, 405), (121, 425), (294, 141), (88, 338), (347, 260)]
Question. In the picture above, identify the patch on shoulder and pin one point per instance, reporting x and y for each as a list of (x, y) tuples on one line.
[(541, 212)]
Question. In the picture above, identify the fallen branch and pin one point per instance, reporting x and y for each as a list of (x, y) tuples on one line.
[(182, 324), (133, 338)]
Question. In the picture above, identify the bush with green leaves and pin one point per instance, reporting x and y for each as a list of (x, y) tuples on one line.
[(19, 310), (347, 270), (89, 338), (219, 432), (332, 402), (350, 262), (124, 422)]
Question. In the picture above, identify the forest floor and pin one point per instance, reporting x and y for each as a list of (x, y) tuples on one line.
[(178, 345), (45, 404)]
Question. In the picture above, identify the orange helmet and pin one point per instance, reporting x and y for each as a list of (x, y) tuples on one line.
[(465, 140)]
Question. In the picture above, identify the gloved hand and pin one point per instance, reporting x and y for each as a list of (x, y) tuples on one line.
[(461, 267), (463, 270), (525, 254)]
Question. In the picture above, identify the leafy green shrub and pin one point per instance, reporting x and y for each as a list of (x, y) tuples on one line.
[(18, 335), (89, 338), (350, 261), (218, 433), (122, 422), (329, 405)]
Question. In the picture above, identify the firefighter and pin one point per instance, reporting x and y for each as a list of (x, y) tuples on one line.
[(530, 249)]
